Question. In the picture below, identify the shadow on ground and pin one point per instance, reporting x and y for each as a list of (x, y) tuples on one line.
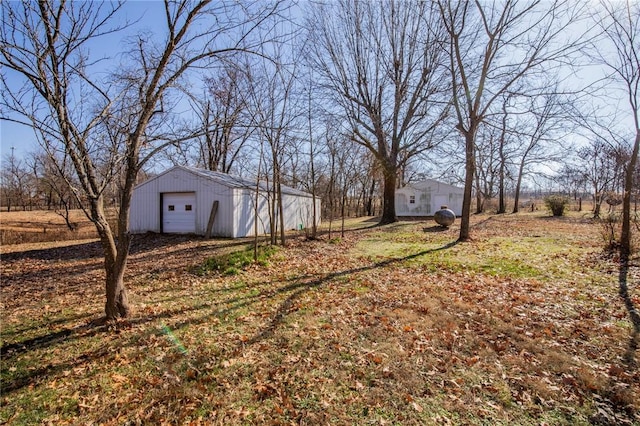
[(297, 286)]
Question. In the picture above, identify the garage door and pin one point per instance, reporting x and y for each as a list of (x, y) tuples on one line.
[(179, 212)]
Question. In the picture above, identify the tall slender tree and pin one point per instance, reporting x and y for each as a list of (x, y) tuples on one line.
[(538, 128), (620, 26), (492, 47), (276, 109), (109, 131)]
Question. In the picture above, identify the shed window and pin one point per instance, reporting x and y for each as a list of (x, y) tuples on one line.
[(171, 207), (187, 208), (412, 199)]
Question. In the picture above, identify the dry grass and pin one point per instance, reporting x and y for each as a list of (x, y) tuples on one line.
[(24, 227), (386, 325)]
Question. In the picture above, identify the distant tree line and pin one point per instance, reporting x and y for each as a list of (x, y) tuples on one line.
[(349, 183)]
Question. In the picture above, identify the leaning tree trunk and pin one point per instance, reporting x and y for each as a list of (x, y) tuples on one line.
[(283, 240)]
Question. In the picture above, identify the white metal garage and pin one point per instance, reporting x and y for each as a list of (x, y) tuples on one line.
[(189, 200), (426, 197)]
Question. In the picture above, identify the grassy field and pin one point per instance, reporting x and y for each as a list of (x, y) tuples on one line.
[(386, 325), (22, 227)]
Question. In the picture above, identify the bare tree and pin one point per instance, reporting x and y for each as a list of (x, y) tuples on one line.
[(599, 169), (55, 174), (109, 130), (618, 50), (368, 178), (226, 128), (487, 160), (345, 168), (314, 151), (620, 26), (380, 63), (539, 130), (275, 109), (330, 137), (492, 47), (15, 178), (502, 155), (571, 178)]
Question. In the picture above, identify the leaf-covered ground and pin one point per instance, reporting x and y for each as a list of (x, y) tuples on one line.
[(386, 325)]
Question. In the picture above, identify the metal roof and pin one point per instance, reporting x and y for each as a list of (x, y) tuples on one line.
[(232, 181)]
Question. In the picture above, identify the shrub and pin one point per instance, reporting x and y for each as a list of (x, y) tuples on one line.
[(610, 230), (556, 204)]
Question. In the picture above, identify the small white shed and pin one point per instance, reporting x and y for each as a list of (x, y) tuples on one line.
[(426, 197), (181, 200)]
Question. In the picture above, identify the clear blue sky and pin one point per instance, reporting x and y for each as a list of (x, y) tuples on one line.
[(149, 14)]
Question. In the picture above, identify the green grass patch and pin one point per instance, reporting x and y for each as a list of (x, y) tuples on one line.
[(234, 262), (540, 257)]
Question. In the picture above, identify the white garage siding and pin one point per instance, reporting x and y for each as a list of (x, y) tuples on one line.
[(298, 211), (426, 197), (245, 212), (145, 208), (236, 204)]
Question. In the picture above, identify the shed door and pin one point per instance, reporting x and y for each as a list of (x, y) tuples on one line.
[(179, 212)]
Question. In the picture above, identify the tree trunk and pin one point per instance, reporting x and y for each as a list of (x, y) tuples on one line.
[(331, 189), (625, 235), (479, 196), (314, 225), (597, 202), (502, 207), (271, 205), (370, 198), (117, 305), (283, 240), (470, 171), (516, 201), (115, 262), (342, 205), (501, 202), (389, 198), (256, 211), (67, 221), (116, 251)]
